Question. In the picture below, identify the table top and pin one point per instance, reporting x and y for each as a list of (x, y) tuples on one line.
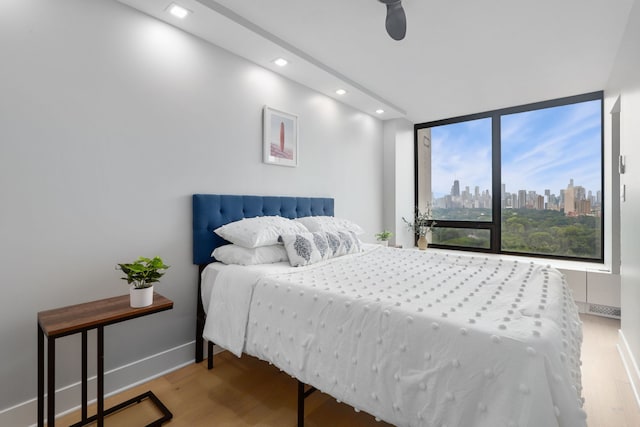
[(80, 317)]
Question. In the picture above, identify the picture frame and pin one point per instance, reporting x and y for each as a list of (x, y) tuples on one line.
[(280, 137)]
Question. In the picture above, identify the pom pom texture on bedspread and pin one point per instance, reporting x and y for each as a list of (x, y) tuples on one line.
[(426, 338)]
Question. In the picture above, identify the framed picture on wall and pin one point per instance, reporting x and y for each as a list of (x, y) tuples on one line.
[(280, 137)]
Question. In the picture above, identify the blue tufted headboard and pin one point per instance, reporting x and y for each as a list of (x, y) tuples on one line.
[(210, 211)]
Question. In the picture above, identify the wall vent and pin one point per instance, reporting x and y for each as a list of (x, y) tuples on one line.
[(605, 310)]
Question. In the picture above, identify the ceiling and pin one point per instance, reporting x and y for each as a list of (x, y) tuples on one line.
[(458, 57)]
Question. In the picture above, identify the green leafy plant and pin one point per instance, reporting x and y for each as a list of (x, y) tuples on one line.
[(143, 272), (384, 235)]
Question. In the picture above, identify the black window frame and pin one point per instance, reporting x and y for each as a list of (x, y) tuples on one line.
[(495, 225)]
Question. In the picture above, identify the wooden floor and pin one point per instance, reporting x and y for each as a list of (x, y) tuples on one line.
[(248, 392), (609, 399)]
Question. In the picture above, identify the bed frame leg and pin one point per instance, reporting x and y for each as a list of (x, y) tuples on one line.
[(300, 404), (200, 319), (302, 394), (199, 350), (209, 355)]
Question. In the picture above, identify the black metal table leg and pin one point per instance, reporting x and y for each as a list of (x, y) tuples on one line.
[(51, 382), (166, 413), (40, 377), (100, 411), (84, 375)]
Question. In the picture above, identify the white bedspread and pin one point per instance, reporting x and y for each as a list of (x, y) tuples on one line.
[(226, 296), (416, 338)]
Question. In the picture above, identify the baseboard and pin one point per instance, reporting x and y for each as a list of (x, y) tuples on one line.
[(115, 380), (630, 365)]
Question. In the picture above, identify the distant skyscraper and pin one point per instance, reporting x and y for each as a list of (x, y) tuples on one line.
[(522, 199), (455, 190), (570, 199), (547, 198), (583, 207)]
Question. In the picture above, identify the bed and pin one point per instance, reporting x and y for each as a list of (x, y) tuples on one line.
[(415, 338)]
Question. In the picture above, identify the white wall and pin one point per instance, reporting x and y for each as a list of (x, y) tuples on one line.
[(109, 121), (399, 181), (625, 83)]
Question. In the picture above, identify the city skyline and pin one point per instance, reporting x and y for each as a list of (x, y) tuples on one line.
[(540, 150), (465, 196), (541, 192)]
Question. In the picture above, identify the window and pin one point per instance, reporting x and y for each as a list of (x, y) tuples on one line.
[(523, 180)]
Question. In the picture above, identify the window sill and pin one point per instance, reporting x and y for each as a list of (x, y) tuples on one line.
[(555, 263)]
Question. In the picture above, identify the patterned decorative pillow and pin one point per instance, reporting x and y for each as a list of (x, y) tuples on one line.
[(329, 223), (335, 244), (350, 241), (343, 243), (258, 231), (306, 248)]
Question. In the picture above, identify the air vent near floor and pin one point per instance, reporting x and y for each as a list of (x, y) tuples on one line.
[(604, 310)]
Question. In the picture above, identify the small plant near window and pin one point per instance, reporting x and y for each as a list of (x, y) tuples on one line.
[(422, 222), (421, 226), (384, 236)]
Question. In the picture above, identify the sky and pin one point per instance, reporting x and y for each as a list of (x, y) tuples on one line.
[(541, 149)]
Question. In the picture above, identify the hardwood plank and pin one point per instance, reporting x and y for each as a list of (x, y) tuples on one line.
[(248, 392), (609, 399)]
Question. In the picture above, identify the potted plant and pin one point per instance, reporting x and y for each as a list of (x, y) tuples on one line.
[(383, 237), (141, 275), (421, 226)]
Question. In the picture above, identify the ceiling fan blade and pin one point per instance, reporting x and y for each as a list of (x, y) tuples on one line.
[(396, 22)]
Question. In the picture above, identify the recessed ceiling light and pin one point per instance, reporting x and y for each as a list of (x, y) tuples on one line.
[(341, 91), (280, 62), (178, 11), (379, 111)]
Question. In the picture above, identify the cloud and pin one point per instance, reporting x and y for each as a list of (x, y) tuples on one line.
[(546, 148), (461, 151), (541, 149)]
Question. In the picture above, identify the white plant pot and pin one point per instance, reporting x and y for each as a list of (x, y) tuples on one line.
[(384, 242), (140, 297)]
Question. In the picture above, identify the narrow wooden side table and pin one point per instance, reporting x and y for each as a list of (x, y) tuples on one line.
[(81, 318)]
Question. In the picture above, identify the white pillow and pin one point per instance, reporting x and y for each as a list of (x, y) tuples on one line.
[(329, 223), (258, 231), (234, 254), (306, 248)]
